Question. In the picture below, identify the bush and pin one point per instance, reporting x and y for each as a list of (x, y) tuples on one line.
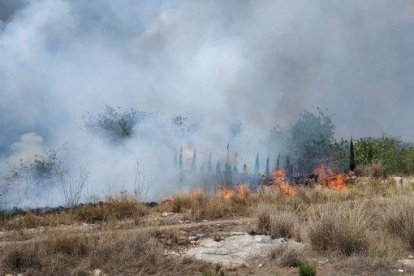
[(395, 155), (376, 170), (115, 124), (263, 223), (116, 208), (307, 270), (287, 256), (282, 226), (398, 219), (197, 205), (341, 228)]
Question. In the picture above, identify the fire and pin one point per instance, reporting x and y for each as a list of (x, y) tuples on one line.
[(327, 177), (168, 201), (226, 193), (279, 178), (241, 192)]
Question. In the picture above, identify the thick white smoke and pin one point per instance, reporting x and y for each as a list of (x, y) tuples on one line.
[(261, 62)]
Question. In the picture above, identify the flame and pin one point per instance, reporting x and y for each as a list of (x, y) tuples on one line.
[(279, 179), (242, 191), (327, 177), (168, 201), (226, 193)]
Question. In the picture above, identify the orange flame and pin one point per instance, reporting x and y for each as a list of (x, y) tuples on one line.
[(328, 178), (168, 201), (242, 191), (226, 193), (279, 179)]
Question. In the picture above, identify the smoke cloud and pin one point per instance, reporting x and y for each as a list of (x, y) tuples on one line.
[(260, 62)]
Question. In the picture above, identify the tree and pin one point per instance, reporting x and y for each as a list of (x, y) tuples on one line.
[(352, 163), (115, 124), (257, 165), (180, 160), (235, 129), (267, 167), (278, 162), (194, 162), (312, 140), (210, 164)]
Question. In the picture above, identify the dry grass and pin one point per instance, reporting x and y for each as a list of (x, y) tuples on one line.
[(263, 223), (196, 205), (398, 220), (376, 170), (283, 225), (338, 227), (372, 222), (113, 254), (287, 256), (119, 208), (169, 238), (113, 209)]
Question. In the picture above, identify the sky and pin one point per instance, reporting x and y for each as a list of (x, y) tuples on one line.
[(260, 62)]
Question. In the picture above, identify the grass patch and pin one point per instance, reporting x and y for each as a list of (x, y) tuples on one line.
[(338, 227), (307, 270), (287, 256)]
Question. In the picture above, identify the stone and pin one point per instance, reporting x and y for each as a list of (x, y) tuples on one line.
[(236, 233), (407, 262), (235, 250)]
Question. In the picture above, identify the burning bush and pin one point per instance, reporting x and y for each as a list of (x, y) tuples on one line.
[(330, 179), (197, 205)]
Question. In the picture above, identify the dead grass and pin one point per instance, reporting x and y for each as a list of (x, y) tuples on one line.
[(283, 225), (287, 256), (372, 221), (263, 223), (196, 205), (113, 209), (398, 220), (113, 254), (170, 238), (341, 228), (376, 170)]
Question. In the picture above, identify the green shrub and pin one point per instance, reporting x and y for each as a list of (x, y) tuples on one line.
[(307, 270)]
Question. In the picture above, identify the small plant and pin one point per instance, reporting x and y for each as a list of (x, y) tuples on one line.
[(263, 223), (287, 256), (307, 270), (282, 226), (218, 271)]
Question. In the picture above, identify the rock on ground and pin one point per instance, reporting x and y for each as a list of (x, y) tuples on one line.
[(235, 250)]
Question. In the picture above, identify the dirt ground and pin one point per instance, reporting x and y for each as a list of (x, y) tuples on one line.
[(190, 233)]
